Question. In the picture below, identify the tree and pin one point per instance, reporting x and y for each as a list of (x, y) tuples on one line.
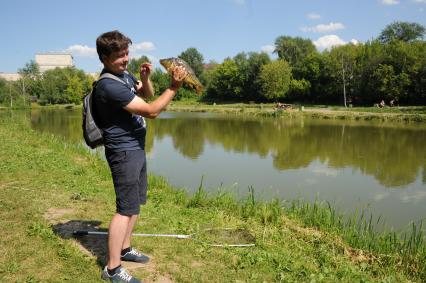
[(225, 81), (134, 65), (255, 62), (64, 85), (274, 79), (389, 84), (308, 78), (160, 80), (403, 31), (194, 59), (293, 49), (30, 74), (345, 57), (3, 90), (31, 70)]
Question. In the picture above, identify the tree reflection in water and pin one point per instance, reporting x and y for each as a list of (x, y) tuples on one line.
[(394, 155)]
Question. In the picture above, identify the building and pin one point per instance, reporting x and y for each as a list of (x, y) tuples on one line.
[(10, 76), (48, 61)]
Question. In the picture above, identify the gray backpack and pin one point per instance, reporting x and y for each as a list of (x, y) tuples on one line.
[(93, 135)]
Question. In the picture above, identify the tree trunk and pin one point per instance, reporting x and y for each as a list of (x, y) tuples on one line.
[(344, 84)]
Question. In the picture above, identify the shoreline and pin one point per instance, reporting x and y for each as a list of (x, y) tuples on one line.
[(416, 114), (310, 112)]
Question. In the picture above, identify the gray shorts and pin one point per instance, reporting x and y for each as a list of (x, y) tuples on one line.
[(128, 170)]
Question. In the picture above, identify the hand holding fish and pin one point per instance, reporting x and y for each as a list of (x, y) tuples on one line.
[(190, 79), (178, 75)]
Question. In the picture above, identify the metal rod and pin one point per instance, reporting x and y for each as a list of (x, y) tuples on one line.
[(179, 236)]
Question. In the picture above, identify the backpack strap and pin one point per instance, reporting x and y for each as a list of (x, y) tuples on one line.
[(111, 76)]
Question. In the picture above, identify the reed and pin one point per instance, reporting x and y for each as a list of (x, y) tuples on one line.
[(361, 230)]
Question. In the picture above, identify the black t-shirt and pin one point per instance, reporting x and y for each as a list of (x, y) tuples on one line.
[(122, 130)]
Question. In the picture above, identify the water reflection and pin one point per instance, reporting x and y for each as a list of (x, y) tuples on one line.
[(395, 156), (66, 123)]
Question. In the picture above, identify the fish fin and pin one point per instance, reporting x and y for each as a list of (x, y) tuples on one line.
[(198, 89)]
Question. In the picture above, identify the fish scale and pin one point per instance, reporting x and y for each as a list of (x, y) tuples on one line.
[(191, 79)]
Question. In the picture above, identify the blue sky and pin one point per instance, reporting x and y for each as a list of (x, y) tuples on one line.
[(161, 28)]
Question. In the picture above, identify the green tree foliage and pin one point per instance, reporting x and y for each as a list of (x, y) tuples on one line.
[(31, 70), (299, 90), (11, 94), (293, 49), (160, 80), (250, 65), (345, 65), (64, 85), (402, 31), (311, 76), (3, 90), (388, 84), (225, 81), (397, 60), (30, 81), (194, 59), (134, 65), (274, 79)]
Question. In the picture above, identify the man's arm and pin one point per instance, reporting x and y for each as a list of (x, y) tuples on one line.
[(153, 109)]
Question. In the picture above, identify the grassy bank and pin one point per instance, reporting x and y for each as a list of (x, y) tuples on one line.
[(50, 187), (390, 114), (416, 114)]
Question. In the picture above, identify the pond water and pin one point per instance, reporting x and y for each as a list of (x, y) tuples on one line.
[(380, 167)]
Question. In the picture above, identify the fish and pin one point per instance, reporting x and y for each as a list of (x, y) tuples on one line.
[(191, 79)]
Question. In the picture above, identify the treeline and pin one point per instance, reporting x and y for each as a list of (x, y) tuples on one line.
[(390, 67), (56, 86)]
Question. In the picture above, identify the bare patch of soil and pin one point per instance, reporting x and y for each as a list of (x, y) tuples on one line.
[(95, 245)]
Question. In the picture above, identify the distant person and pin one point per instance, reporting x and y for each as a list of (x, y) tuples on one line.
[(392, 103), (120, 113), (382, 104)]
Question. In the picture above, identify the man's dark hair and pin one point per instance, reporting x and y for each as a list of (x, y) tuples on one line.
[(112, 41)]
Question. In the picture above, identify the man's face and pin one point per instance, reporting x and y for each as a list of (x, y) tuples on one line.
[(117, 61)]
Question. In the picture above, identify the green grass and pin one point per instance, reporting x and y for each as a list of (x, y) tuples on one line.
[(392, 114), (295, 241)]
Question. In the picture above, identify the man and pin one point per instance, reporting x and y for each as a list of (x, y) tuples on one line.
[(120, 113)]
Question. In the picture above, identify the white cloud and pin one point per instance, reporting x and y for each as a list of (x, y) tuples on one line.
[(143, 46), (328, 41), (268, 48), (324, 28), (414, 197), (81, 50), (325, 172), (390, 2), (354, 41), (420, 1), (313, 16)]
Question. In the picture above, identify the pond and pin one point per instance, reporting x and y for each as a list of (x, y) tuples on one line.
[(380, 167)]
